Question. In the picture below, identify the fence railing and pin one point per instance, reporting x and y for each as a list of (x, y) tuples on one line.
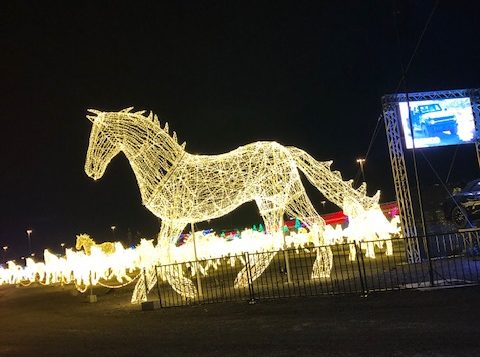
[(358, 268)]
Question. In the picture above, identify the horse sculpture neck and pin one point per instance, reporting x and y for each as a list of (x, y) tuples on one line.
[(149, 148)]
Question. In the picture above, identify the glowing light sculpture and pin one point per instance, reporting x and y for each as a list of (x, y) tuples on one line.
[(369, 226), (100, 265), (86, 243), (182, 188), (33, 270)]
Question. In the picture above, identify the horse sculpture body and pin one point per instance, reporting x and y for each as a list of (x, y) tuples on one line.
[(182, 188), (84, 241)]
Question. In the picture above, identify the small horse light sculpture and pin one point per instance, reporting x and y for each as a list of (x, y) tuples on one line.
[(84, 241)]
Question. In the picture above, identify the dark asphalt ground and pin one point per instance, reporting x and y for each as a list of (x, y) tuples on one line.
[(52, 321)]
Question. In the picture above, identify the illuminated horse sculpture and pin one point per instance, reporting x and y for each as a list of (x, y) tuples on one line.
[(182, 188), (84, 241)]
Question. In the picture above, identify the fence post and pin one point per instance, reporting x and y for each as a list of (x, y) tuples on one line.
[(158, 287), (426, 246), (146, 283), (249, 279), (361, 268), (91, 297), (285, 253), (90, 282)]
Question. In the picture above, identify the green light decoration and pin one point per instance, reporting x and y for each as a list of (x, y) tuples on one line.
[(298, 224)]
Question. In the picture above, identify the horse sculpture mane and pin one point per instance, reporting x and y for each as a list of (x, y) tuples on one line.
[(139, 115)]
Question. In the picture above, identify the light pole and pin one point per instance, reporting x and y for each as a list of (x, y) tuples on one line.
[(361, 162), (113, 231), (29, 233), (5, 248)]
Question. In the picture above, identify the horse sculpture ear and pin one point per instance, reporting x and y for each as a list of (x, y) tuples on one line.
[(93, 117)]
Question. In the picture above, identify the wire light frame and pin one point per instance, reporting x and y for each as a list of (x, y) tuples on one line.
[(181, 188)]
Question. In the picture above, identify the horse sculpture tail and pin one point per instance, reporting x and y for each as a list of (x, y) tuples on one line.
[(330, 183)]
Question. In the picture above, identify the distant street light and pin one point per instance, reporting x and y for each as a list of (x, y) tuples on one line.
[(361, 162), (29, 233), (113, 231), (323, 204), (5, 248)]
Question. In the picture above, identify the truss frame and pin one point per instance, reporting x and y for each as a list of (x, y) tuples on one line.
[(396, 146)]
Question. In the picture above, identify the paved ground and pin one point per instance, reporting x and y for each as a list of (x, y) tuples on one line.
[(51, 321)]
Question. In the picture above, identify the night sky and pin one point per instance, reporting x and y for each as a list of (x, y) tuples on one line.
[(222, 73)]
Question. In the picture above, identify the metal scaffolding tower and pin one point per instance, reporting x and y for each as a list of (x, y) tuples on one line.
[(396, 142)]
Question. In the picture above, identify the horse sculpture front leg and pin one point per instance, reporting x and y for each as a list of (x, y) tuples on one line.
[(146, 282), (173, 273), (169, 271), (258, 262)]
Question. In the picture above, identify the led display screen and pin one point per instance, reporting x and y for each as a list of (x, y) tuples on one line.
[(438, 122)]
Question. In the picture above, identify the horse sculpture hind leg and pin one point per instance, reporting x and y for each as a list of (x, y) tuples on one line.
[(258, 262), (301, 207)]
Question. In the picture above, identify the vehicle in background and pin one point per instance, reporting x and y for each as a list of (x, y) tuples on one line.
[(463, 207)]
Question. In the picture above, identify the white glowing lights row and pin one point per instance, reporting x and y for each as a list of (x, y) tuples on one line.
[(78, 267), (182, 188), (95, 264)]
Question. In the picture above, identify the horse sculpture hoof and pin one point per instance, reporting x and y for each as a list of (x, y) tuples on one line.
[(241, 281)]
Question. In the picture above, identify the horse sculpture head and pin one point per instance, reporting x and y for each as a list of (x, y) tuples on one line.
[(83, 240), (103, 143)]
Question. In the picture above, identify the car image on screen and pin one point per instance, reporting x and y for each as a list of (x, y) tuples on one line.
[(432, 120), (438, 122)]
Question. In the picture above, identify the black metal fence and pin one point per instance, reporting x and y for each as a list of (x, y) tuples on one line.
[(447, 259)]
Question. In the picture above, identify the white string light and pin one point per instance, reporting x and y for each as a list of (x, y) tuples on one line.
[(100, 267), (182, 188)]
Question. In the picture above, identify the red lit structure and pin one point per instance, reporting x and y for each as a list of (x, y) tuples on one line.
[(389, 209)]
